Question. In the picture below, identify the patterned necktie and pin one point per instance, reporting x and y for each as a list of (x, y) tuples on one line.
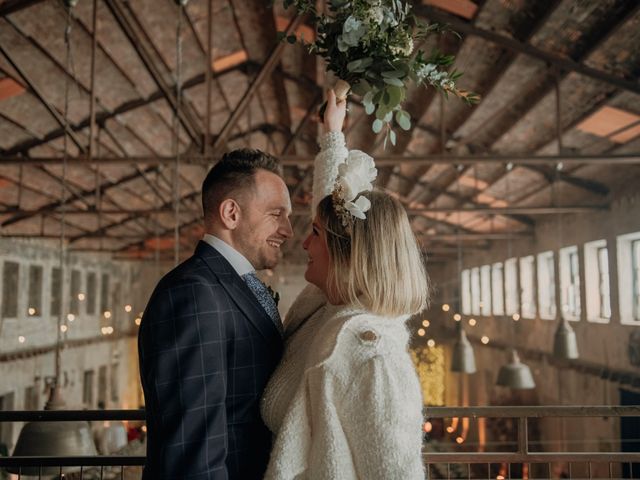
[(265, 299)]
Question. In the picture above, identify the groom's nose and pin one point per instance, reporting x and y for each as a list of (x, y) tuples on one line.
[(285, 228)]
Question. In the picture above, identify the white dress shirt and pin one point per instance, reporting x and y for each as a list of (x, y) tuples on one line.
[(238, 261)]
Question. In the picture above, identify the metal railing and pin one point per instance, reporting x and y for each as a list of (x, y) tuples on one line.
[(520, 462)]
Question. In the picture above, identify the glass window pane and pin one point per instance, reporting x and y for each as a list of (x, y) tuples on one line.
[(512, 302), (10, 289), (56, 282), (527, 287), (76, 279), (603, 284), (91, 293), (485, 290), (475, 291), (497, 289), (466, 292), (104, 293), (34, 307), (635, 248)]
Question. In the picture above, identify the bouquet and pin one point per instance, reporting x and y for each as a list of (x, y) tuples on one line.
[(370, 46)]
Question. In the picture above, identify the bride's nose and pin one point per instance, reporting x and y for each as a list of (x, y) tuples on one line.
[(305, 244)]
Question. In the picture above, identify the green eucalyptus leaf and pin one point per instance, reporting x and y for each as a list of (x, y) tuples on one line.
[(377, 126), (396, 95), (392, 74), (392, 137), (393, 81), (403, 119), (362, 88)]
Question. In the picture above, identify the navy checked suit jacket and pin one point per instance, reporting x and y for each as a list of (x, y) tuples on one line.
[(207, 349)]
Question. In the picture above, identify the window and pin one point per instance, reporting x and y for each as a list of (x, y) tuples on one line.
[(6, 428), (546, 286), (528, 286), (87, 388), (570, 283), (10, 289), (115, 395), (596, 273), (30, 398), (466, 292), (34, 308), (74, 304), (628, 253), (56, 284), (102, 386), (497, 289), (485, 290), (475, 291), (91, 293), (603, 284), (512, 302), (104, 293)]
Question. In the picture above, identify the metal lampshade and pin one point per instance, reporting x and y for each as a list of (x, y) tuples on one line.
[(565, 344), (516, 374), (53, 439), (463, 359)]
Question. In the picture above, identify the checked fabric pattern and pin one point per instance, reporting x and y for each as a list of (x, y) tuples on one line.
[(265, 299)]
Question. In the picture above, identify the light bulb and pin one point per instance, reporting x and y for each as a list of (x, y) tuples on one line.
[(81, 296), (426, 323), (127, 308), (445, 307), (21, 339), (457, 317), (63, 328), (32, 311), (107, 314), (71, 317), (484, 339), (472, 322), (459, 440), (138, 321), (421, 332), (516, 317), (431, 343)]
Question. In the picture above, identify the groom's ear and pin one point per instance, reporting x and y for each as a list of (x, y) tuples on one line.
[(229, 212)]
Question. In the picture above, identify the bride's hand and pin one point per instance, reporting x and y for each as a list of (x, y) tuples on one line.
[(334, 113)]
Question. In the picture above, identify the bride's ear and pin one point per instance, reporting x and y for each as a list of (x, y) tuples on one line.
[(229, 212)]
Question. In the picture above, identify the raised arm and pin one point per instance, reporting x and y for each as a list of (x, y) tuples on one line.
[(333, 150)]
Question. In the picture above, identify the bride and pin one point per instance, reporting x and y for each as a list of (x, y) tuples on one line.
[(345, 401)]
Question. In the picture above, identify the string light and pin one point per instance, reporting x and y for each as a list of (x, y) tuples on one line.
[(484, 339), (81, 296), (428, 426), (457, 317), (445, 307), (32, 311), (63, 328), (103, 330), (431, 343), (426, 323), (421, 332), (459, 440), (107, 314), (127, 308), (516, 317), (138, 321), (21, 339), (473, 322), (71, 317)]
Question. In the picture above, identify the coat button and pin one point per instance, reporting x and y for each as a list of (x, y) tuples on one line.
[(368, 336)]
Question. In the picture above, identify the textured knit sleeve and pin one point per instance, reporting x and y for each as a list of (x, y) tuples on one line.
[(382, 422), (333, 152)]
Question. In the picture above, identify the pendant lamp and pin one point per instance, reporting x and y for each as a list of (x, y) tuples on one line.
[(516, 374), (463, 359), (53, 439), (565, 344)]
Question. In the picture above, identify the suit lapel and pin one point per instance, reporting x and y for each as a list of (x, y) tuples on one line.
[(237, 290)]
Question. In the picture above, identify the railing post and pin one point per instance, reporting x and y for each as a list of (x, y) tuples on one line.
[(523, 436)]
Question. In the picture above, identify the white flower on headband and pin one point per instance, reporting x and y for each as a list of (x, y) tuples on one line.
[(356, 175), (357, 208)]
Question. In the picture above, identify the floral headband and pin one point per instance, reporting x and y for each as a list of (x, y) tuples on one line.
[(355, 176)]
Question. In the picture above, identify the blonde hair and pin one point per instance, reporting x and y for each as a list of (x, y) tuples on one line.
[(376, 263)]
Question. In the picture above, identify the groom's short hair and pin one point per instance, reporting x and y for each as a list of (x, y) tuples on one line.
[(234, 173)]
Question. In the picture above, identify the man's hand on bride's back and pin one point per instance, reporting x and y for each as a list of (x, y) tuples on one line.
[(334, 113)]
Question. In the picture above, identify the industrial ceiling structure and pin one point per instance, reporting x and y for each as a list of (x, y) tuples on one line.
[(112, 111)]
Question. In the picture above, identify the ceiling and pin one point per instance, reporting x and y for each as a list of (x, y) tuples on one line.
[(557, 129)]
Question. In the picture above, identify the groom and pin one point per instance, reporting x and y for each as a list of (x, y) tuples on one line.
[(211, 334)]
